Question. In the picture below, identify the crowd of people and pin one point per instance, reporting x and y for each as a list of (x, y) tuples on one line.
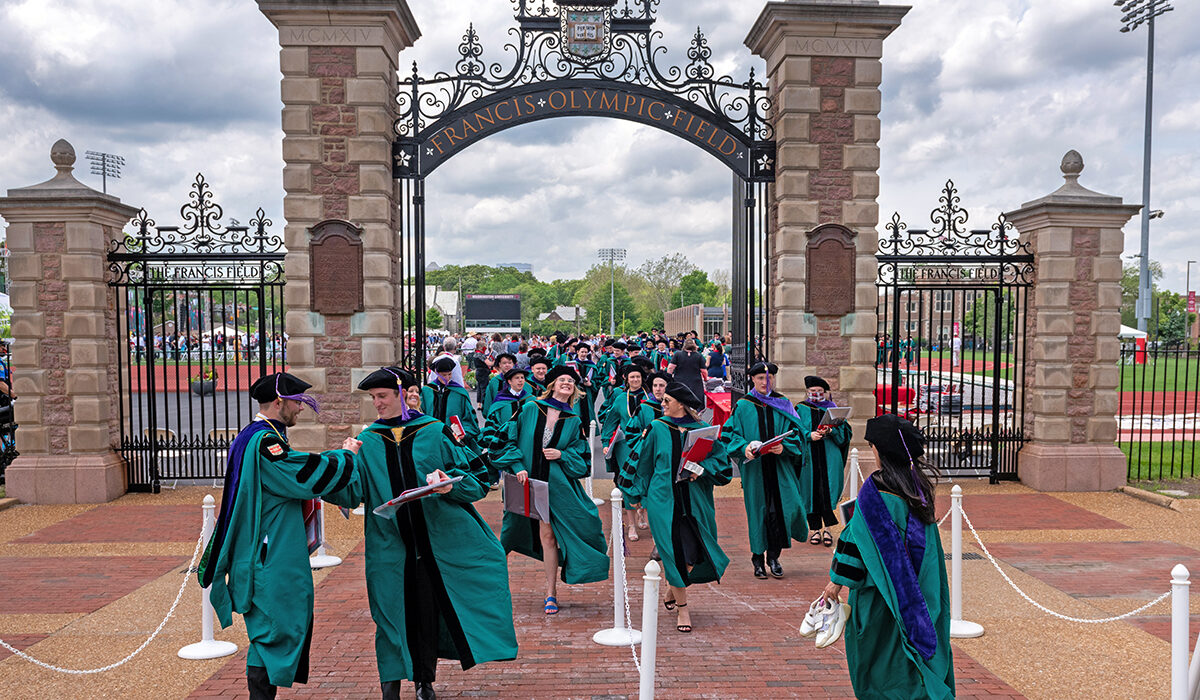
[(436, 572)]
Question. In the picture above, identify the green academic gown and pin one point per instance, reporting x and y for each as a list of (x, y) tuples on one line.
[(442, 401), (773, 495), (469, 573), (573, 516), (588, 372), (257, 563), (824, 464), (500, 413), (495, 383), (883, 663), (683, 519), (616, 413)]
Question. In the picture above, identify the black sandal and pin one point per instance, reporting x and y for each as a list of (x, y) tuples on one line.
[(669, 604), (686, 629), (827, 538), (816, 538)]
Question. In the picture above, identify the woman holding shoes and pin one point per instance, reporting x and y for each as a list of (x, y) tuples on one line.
[(890, 557), (545, 443), (681, 511)]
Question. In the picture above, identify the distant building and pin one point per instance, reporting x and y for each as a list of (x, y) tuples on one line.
[(569, 314), (518, 266), (432, 266), (707, 321), (445, 302)]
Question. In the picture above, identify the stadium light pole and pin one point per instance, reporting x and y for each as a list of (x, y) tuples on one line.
[(1138, 12), (611, 255), (105, 165)]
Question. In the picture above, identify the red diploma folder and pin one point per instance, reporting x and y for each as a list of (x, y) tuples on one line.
[(617, 436), (697, 446), (777, 440), (388, 510), (456, 427)]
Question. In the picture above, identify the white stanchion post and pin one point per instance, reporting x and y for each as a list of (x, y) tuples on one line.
[(1179, 632), (959, 628), (618, 635), (321, 560), (592, 449), (649, 630), (853, 472), (207, 647)]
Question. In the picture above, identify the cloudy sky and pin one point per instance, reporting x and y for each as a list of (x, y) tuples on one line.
[(989, 93)]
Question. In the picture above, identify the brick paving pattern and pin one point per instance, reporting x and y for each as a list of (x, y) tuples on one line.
[(45, 585), (1100, 569), (122, 524), (1026, 511), (745, 644)]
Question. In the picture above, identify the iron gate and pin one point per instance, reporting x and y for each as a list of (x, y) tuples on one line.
[(951, 338), (590, 58), (199, 318)]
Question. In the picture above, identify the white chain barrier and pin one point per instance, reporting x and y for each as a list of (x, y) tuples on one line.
[(1043, 608), (592, 463), (191, 569), (207, 647)]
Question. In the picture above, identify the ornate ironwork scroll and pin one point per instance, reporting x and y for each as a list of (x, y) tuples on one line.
[(583, 45)]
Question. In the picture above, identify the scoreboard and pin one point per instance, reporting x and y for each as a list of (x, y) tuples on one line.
[(492, 313)]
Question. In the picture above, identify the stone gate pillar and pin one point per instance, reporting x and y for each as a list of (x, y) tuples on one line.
[(1072, 371), (823, 62), (339, 62), (64, 326)]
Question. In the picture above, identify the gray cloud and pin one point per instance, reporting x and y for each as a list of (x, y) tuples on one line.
[(989, 93)]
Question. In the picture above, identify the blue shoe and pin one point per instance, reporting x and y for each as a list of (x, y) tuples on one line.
[(551, 605)]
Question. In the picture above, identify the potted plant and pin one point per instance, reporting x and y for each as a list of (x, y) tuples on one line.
[(205, 382)]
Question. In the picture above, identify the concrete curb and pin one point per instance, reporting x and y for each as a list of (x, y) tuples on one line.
[(1150, 497), (8, 503)]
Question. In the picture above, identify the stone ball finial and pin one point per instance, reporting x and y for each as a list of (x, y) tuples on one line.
[(1072, 163), (62, 154)]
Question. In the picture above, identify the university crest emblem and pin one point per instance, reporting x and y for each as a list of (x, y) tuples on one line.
[(585, 32)]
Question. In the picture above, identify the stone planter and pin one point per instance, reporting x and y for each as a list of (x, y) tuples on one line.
[(204, 387)]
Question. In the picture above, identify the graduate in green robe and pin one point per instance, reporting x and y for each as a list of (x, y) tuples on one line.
[(890, 557), (545, 443), (504, 362), (443, 398), (683, 518), (825, 452), (661, 356), (507, 404), (773, 495), (614, 415), (589, 383), (650, 409), (257, 560), (536, 381), (437, 578)]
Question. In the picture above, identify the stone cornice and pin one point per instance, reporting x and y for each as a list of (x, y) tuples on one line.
[(1043, 214), (779, 20), (396, 16), (106, 211)]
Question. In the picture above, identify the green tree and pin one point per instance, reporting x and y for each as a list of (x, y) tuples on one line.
[(695, 288), (662, 277), (433, 318), (980, 319), (1170, 322), (1129, 289), (598, 303)]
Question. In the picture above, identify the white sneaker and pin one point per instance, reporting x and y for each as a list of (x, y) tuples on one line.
[(833, 626), (812, 619)]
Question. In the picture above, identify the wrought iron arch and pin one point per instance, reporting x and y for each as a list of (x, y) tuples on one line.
[(599, 58)]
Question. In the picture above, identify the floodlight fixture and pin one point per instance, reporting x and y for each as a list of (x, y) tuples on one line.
[(106, 165)]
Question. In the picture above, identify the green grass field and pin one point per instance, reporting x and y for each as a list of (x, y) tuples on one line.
[(1161, 375), (1161, 460)]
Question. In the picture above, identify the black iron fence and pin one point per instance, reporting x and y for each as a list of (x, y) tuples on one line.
[(1159, 405)]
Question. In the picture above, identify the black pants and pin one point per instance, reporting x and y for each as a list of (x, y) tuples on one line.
[(259, 685), (423, 619)]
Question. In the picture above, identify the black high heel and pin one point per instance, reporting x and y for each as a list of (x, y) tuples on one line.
[(683, 628)]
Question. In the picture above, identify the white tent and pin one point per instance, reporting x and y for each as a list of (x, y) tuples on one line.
[(227, 331), (1131, 333)]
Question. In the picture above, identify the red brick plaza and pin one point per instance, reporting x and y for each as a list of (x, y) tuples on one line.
[(64, 570)]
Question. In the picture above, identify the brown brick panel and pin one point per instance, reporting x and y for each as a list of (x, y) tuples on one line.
[(122, 524), (49, 585), (1101, 569), (1027, 511)]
